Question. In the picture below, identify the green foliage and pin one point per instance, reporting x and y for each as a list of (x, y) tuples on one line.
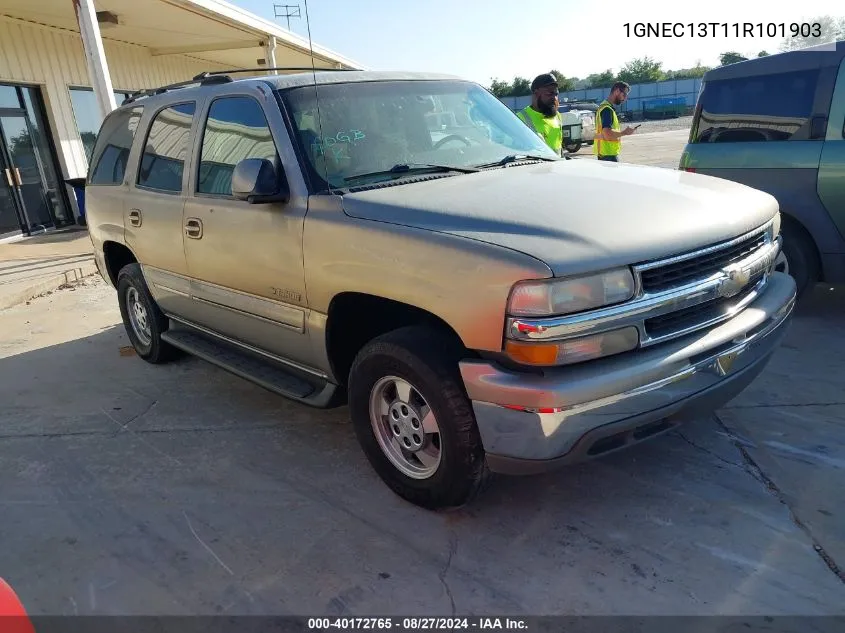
[(641, 70), (731, 57)]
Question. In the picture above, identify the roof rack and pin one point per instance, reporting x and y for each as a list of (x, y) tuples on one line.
[(202, 79), (218, 77)]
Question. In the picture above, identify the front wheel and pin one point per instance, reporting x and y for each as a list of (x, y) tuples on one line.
[(413, 420), (798, 258)]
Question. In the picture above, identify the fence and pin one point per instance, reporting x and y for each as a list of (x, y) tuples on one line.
[(644, 100)]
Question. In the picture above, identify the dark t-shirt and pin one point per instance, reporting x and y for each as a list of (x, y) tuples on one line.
[(607, 118)]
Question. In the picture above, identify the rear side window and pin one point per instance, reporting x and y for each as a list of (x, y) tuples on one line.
[(166, 149), (236, 129), (111, 150), (763, 108)]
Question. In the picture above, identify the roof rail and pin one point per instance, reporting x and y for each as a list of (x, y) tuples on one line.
[(218, 77), (252, 70), (202, 79)]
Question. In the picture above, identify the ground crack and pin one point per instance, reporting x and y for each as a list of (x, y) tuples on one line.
[(708, 451), (139, 415), (755, 471), (784, 406), (453, 548)]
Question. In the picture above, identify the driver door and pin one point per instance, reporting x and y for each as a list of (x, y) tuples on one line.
[(244, 260)]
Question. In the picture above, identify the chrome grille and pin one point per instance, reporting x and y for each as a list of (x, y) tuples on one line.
[(676, 323), (679, 272)]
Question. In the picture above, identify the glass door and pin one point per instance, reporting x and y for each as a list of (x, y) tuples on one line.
[(31, 191), (10, 206), (25, 170)]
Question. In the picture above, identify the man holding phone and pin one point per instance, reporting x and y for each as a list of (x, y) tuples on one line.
[(608, 139)]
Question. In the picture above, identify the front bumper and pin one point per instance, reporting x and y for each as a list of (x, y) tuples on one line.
[(611, 403)]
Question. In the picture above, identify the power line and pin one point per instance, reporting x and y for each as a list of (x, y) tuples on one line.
[(287, 11)]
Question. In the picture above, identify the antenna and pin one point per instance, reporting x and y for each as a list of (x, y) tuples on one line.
[(290, 11), (317, 96)]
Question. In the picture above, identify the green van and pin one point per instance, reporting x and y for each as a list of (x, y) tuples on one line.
[(777, 124)]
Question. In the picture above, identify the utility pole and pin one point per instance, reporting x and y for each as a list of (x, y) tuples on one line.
[(287, 11)]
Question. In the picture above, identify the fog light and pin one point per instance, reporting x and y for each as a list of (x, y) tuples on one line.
[(575, 350)]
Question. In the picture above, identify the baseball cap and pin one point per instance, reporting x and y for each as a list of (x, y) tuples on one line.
[(543, 80)]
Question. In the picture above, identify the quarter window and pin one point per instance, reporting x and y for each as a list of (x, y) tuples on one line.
[(111, 151), (762, 108), (236, 129), (166, 149)]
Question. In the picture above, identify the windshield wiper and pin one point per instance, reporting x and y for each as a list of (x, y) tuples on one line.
[(406, 168), (512, 158)]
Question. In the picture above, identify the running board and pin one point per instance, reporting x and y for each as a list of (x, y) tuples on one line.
[(275, 377)]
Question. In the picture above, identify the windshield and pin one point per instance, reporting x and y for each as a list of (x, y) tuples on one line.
[(364, 128)]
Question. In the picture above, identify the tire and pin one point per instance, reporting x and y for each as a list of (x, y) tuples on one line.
[(798, 258), (572, 148), (428, 362), (146, 326)]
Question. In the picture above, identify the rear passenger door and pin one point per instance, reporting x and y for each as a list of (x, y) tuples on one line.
[(831, 184), (153, 220), (245, 260)]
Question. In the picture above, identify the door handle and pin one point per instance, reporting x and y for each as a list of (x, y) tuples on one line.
[(135, 217), (18, 177), (9, 177), (193, 228)]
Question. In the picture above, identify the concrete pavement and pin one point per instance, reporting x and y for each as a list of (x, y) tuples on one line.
[(42, 263), (181, 489)]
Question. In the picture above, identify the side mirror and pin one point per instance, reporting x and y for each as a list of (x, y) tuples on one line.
[(257, 181)]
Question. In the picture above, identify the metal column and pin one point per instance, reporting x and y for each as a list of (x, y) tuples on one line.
[(95, 55)]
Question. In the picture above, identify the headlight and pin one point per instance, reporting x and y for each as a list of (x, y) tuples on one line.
[(549, 297), (575, 350)]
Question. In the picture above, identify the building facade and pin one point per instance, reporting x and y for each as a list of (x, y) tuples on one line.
[(64, 64)]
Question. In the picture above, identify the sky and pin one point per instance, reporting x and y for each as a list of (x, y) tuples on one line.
[(485, 39)]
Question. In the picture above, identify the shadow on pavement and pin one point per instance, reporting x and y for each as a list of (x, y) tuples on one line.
[(181, 489)]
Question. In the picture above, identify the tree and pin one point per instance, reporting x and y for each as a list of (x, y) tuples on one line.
[(600, 80), (830, 30), (695, 72), (520, 87), (762, 54), (731, 57), (641, 70), (500, 88), (564, 84)]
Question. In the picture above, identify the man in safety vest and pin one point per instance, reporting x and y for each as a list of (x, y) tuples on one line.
[(542, 116), (608, 138)]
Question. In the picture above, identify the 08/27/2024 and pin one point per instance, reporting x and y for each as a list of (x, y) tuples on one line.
[(725, 29)]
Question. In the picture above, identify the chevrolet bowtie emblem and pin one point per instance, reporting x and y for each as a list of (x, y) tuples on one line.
[(735, 280)]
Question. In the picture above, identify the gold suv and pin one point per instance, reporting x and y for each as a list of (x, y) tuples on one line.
[(401, 243)]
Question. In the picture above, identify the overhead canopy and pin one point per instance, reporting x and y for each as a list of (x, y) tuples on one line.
[(209, 30)]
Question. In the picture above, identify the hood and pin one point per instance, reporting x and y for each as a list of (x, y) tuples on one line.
[(575, 215)]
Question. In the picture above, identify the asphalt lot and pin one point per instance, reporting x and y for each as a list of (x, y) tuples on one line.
[(136, 489)]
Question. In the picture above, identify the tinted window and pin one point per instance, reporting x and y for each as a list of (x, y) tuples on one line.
[(111, 151), (764, 108), (235, 129), (163, 161)]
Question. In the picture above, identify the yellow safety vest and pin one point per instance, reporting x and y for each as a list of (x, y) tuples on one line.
[(602, 147), (550, 129)]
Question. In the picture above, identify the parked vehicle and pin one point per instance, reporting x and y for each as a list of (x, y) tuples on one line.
[(573, 132), (310, 233), (777, 124)]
